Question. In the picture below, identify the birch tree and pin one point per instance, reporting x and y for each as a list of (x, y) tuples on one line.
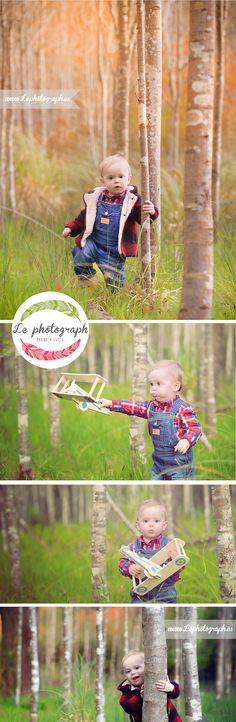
[(25, 469), (138, 426), (12, 537), (192, 699), (155, 651), (98, 545), (221, 18), (19, 655), (225, 546), (220, 651), (100, 653), (34, 690), (145, 218), (196, 301), (209, 381), (54, 410), (153, 43), (67, 657)]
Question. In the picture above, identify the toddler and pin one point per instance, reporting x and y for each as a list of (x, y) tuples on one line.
[(132, 688), (172, 422), (151, 522), (106, 227)]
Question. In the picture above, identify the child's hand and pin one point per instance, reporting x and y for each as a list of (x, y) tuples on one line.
[(142, 691), (164, 685), (105, 403), (148, 207), (182, 446), (135, 570), (66, 232)]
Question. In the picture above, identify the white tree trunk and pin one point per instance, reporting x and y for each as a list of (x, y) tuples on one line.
[(100, 653), (19, 656), (192, 699), (67, 656), (12, 538), (145, 232), (25, 470), (155, 651), (225, 546), (153, 48), (138, 426), (98, 545), (34, 665)]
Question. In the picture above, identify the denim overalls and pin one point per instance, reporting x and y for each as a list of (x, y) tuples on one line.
[(168, 463), (102, 246), (165, 592)]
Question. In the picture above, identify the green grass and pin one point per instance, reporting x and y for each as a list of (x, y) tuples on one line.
[(56, 565), (95, 446), (82, 706)]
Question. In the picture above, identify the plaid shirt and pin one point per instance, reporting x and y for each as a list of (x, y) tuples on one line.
[(185, 421), (129, 243), (155, 544), (132, 702)]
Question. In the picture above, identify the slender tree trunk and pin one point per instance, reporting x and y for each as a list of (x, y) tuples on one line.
[(192, 699), (54, 409), (209, 379), (25, 469), (67, 656), (50, 644), (145, 218), (153, 44), (229, 657), (13, 538), (137, 426), (207, 508), (220, 654), (121, 105), (178, 657), (196, 299), (155, 651), (98, 546), (19, 656), (221, 17), (126, 630), (3, 21), (225, 546), (34, 696), (100, 699), (11, 116)]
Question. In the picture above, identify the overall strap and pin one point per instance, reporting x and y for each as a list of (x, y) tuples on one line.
[(176, 406)]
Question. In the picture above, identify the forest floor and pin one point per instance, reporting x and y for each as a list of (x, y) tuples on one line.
[(35, 258), (56, 564), (95, 446), (82, 708)]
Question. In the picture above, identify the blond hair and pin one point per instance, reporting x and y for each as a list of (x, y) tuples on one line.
[(151, 502), (174, 368), (110, 159), (130, 654)]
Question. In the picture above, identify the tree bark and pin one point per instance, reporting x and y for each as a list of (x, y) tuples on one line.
[(67, 657), (25, 469), (19, 656), (13, 538), (34, 695), (225, 546), (196, 301), (145, 218), (137, 426), (153, 47), (98, 545), (100, 699), (221, 18), (192, 699), (54, 409), (220, 653), (155, 651), (209, 381)]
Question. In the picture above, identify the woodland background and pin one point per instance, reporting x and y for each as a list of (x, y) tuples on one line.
[(49, 158), (60, 543), (43, 437), (51, 659)]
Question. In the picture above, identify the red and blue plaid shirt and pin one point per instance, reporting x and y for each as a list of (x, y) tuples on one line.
[(132, 702), (154, 544), (185, 420)]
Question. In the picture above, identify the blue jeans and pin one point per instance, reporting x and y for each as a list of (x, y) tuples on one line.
[(167, 596), (168, 463), (111, 264)]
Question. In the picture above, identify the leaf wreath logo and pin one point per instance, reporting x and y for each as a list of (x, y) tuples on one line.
[(50, 329)]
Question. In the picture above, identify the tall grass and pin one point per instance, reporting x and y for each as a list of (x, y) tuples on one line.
[(33, 259)]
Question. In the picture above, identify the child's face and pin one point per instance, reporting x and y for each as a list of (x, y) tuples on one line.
[(163, 384), (116, 178), (151, 522), (134, 670)]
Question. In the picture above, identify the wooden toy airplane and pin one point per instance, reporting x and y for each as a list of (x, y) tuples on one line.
[(68, 388), (155, 572)]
